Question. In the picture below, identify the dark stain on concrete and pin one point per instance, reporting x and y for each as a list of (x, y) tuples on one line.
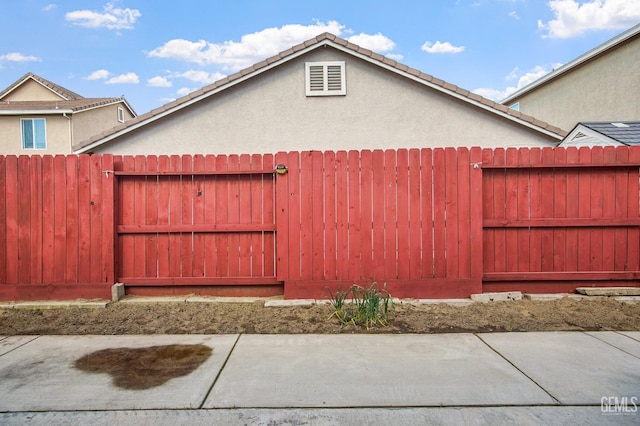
[(144, 368)]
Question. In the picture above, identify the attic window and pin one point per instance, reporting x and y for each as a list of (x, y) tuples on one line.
[(515, 107), (325, 78), (120, 115)]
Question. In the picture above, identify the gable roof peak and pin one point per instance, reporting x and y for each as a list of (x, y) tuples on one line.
[(63, 92)]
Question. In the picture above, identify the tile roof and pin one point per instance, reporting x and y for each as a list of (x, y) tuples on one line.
[(73, 106), (626, 132), (344, 45)]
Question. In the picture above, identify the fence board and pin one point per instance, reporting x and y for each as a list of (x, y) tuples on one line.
[(23, 242)]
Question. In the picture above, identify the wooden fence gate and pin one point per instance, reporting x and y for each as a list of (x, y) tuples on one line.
[(190, 222)]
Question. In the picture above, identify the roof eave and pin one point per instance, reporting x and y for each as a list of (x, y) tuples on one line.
[(37, 112)]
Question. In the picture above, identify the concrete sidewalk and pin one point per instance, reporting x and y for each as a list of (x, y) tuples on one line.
[(517, 378)]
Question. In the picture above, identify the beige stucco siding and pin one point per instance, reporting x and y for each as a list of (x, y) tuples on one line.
[(604, 89), (270, 113), (90, 122), (32, 92), (57, 128)]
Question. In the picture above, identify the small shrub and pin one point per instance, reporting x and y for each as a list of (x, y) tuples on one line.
[(368, 306)]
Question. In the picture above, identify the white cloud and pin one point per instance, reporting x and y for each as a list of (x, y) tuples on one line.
[(254, 47), (514, 15), (49, 7), (112, 18), (184, 91), (439, 47), (98, 75), (376, 42), (158, 81), (201, 77), (394, 56), (18, 57), (524, 80), (129, 78), (573, 19)]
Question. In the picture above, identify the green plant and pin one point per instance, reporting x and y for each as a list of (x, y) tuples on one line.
[(368, 306)]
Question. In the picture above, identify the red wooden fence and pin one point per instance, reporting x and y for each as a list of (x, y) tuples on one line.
[(56, 227), (428, 223), (403, 218), (557, 219)]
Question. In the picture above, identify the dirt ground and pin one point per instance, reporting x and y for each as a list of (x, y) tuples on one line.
[(221, 318)]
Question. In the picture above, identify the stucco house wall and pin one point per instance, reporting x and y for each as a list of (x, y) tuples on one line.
[(270, 112), (31, 92), (58, 130), (605, 88), (88, 122)]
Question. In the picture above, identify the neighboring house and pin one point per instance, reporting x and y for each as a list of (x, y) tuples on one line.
[(325, 94), (40, 117), (615, 133), (601, 85)]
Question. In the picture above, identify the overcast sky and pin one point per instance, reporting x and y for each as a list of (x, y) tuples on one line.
[(155, 51)]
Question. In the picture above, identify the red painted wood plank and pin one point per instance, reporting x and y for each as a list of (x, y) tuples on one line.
[(511, 210), (475, 219), (597, 208), (562, 223), (96, 216), (621, 209), (108, 221), (23, 242), (451, 202), (523, 209), (244, 201), (439, 209), (560, 210), (306, 195), (164, 195), (342, 216), (366, 215), (390, 215), (73, 219), (403, 210), (426, 220), (499, 202), (150, 201), (378, 215), (563, 276), (233, 209), (84, 223), (330, 219), (317, 214), (488, 212), (59, 221), (12, 223), (547, 186), (415, 219), (199, 281), (48, 215), (355, 246), (268, 217), (536, 198), (282, 196), (209, 241), (463, 187), (139, 216), (175, 217), (3, 220), (35, 171), (584, 210), (571, 251), (609, 242), (186, 212), (257, 212), (293, 176)]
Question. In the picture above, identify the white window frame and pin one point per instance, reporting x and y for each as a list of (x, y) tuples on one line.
[(32, 120), (325, 89), (120, 115)]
